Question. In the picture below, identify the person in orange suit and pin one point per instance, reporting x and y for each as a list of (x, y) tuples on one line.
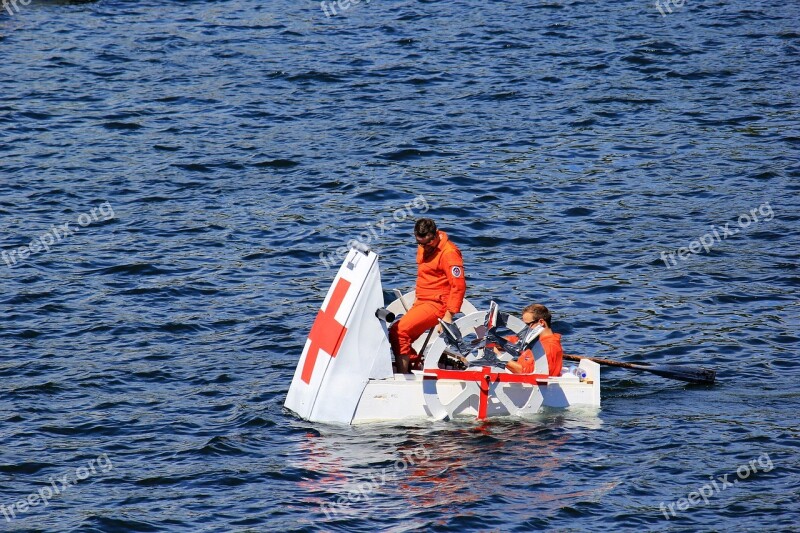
[(439, 293), (534, 315)]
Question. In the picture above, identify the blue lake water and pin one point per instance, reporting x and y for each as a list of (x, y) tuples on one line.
[(175, 175)]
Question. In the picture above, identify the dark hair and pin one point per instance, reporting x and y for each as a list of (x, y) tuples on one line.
[(539, 312), (425, 227)]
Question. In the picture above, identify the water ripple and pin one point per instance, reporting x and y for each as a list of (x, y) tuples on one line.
[(564, 145)]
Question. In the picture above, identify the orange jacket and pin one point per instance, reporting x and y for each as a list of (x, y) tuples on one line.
[(440, 275), (553, 351)]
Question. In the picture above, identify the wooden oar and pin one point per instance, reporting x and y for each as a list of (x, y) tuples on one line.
[(681, 373)]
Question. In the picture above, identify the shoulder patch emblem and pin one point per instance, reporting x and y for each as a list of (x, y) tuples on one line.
[(456, 271)]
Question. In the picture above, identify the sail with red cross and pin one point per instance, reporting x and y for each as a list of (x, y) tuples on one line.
[(346, 346)]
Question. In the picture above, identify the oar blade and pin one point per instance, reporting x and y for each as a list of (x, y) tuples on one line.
[(681, 373)]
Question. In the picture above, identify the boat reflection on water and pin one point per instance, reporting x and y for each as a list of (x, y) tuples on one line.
[(371, 470)]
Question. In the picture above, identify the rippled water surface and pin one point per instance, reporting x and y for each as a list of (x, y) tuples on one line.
[(206, 157)]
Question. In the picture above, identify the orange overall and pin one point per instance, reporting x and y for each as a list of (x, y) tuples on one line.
[(440, 288), (553, 351)]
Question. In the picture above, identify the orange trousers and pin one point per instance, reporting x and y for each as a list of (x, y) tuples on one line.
[(422, 316)]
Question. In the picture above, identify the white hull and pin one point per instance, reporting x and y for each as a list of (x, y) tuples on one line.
[(402, 397)]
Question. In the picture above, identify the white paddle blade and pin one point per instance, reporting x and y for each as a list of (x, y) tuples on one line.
[(531, 336), (451, 332), (491, 316)]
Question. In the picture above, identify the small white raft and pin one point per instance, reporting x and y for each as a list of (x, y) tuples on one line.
[(345, 371)]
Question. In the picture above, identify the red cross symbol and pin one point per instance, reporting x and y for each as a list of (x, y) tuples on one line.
[(326, 333)]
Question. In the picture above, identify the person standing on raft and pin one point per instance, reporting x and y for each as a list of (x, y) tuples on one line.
[(440, 290)]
